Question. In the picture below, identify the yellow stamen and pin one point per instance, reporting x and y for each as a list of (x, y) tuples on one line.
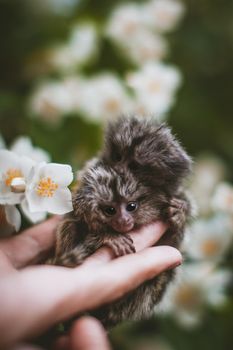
[(112, 105), (229, 200), (147, 53), (11, 174), (210, 247), (154, 86), (188, 297), (130, 28), (46, 187), (18, 185)]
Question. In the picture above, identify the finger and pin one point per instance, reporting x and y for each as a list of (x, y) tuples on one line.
[(62, 343), (5, 265), (88, 334), (126, 273), (143, 238), (25, 347), (58, 293), (31, 245)]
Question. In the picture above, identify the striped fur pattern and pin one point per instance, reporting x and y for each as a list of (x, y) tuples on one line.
[(141, 162), (147, 148)]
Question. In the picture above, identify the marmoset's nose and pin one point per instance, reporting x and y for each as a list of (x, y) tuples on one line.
[(123, 225), (125, 221)]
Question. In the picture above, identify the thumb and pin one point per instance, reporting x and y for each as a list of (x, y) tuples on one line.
[(87, 333)]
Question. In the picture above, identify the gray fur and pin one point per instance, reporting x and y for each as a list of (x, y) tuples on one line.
[(141, 162)]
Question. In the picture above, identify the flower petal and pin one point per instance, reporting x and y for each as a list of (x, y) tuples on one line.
[(23, 147), (8, 160), (12, 165), (13, 216), (8, 197), (60, 203), (34, 217), (59, 173)]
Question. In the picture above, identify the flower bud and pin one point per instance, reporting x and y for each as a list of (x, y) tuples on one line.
[(18, 185)]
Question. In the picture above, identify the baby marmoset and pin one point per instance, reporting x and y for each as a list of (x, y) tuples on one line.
[(137, 179)]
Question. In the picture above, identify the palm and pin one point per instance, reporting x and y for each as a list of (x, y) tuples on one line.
[(40, 296)]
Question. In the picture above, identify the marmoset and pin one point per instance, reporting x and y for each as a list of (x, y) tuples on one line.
[(136, 180)]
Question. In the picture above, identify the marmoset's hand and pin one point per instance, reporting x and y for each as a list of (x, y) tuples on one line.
[(36, 297)]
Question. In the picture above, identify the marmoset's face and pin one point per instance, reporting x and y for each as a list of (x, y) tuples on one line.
[(125, 214), (121, 216), (116, 201)]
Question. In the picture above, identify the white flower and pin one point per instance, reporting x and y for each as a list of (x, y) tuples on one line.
[(47, 188), (31, 216), (75, 87), (36, 187), (223, 198), (83, 41), (144, 47), (23, 147), (81, 47), (10, 220), (208, 172), (125, 22), (154, 86), (209, 239), (163, 15), (197, 285), (104, 97), (13, 216), (13, 166), (51, 101), (129, 32)]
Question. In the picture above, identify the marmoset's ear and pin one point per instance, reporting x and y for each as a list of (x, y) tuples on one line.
[(122, 135), (117, 139), (161, 151)]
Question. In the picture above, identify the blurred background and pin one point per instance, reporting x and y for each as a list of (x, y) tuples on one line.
[(68, 66)]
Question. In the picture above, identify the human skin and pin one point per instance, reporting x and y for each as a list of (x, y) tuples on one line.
[(35, 297), (87, 333)]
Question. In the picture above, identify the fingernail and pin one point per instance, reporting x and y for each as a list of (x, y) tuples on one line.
[(176, 264)]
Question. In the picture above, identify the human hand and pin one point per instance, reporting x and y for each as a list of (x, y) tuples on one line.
[(35, 297), (86, 333)]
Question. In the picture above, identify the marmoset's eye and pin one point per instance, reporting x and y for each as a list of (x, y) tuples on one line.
[(116, 157), (110, 211), (131, 206), (133, 165)]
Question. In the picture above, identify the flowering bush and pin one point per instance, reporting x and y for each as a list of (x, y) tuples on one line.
[(202, 280), (88, 63), (27, 180), (131, 28)]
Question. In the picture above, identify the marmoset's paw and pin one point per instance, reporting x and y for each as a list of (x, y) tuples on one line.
[(177, 212), (121, 245)]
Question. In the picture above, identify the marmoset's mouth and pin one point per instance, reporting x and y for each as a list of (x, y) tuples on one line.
[(123, 228)]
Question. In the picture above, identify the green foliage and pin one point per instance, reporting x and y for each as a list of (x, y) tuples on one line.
[(202, 117), (201, 47)]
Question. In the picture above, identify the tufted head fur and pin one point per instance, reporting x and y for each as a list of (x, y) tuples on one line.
[(148, 149), (102, 187)]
